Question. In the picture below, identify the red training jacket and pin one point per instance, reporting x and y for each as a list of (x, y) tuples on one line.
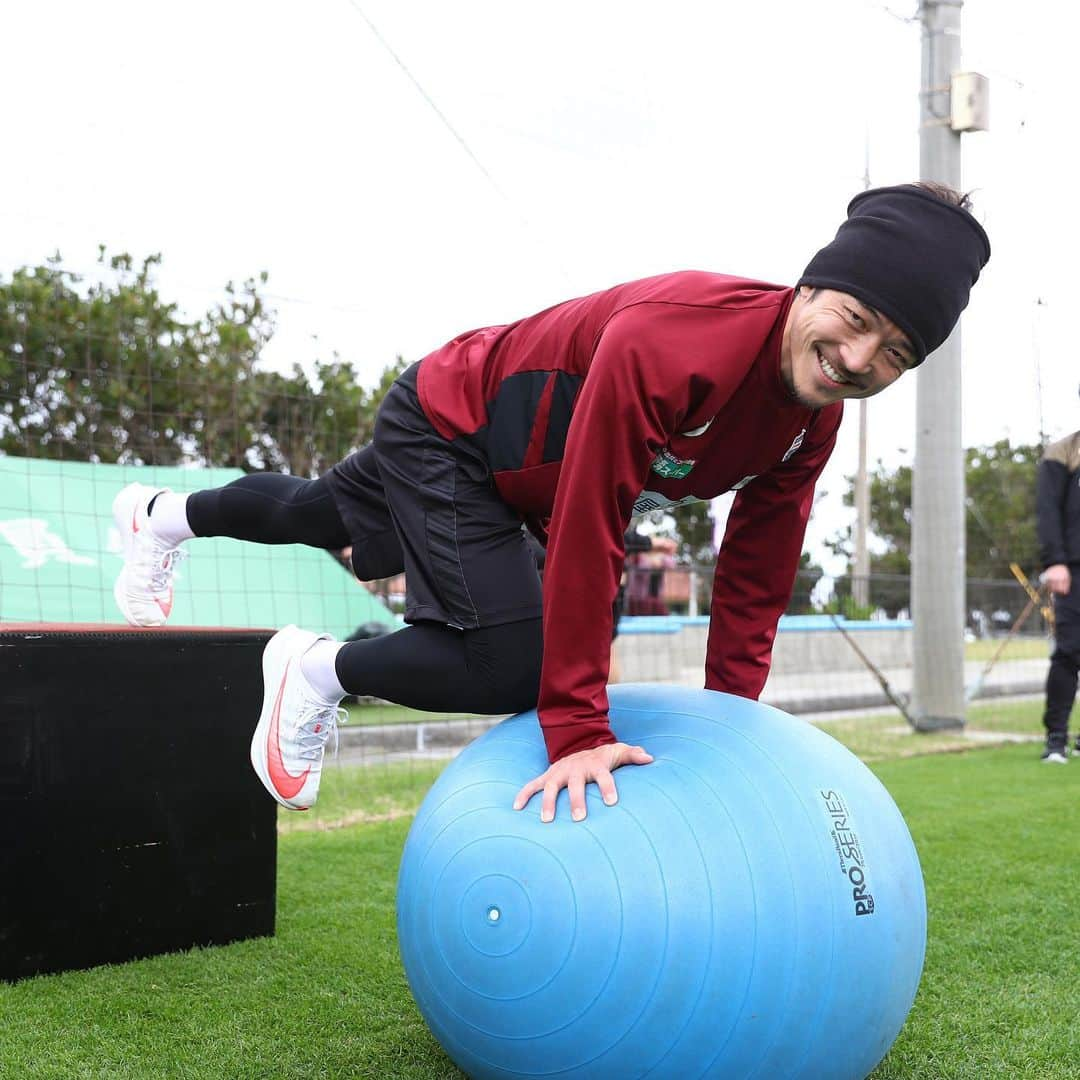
[(652, 393)]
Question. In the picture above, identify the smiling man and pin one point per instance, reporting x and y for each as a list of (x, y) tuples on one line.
[(650, 394), (842, 347)]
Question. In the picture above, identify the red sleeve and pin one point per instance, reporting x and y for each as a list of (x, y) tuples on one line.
[(644, 374), (755, 571)]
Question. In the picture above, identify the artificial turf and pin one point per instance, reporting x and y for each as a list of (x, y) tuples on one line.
[(326, 997)]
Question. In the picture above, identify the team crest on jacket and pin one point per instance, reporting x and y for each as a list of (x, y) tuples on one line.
[(666, 464), (795, 445)]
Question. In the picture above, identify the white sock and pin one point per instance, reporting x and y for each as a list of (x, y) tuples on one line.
[(168, 519), (319, 666)]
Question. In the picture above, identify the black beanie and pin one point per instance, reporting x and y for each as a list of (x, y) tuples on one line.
[(909, 255)]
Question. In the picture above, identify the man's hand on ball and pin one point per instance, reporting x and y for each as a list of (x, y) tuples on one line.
[(575, 771)]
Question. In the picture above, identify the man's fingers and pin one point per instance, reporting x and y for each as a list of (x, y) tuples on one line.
[(575, 773), (527, 792), (547, 806), (576, 787), (629, 755), (606, 783)]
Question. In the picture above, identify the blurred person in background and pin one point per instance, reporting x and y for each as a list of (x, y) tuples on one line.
[(1058, 525), (635, 544), (654, 393), (645, 578)]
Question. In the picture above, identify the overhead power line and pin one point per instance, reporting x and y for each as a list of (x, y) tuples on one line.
[(427, 97)]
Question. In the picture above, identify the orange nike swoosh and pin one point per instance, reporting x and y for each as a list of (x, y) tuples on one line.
[(286, 785), (165, 605)]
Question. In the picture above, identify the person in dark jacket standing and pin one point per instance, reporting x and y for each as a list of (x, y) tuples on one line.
[(1058, 521)]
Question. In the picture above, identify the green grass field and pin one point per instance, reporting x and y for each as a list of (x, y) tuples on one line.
[(367, 713), (1020, 648), (326, 997)]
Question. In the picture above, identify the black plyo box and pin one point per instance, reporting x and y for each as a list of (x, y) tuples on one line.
[(132, 822)]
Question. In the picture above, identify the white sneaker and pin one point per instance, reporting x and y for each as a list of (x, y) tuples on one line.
[(295, 723), (1055, 755), (144, 587)]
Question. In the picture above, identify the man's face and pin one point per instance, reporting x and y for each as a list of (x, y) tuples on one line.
[(837, 347)]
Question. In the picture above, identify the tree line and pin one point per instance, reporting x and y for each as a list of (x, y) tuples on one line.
[(110, 371), (999, 512)]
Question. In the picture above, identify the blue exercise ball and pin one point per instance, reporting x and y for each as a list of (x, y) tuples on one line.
[(752, 906)]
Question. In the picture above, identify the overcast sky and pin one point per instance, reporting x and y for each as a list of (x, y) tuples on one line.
[(549, 150)]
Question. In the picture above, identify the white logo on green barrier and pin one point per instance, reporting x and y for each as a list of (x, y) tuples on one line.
[(671, 467), (36, 544)]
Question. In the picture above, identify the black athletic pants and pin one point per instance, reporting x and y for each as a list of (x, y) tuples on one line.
[(476, 642), (425, 666), (1061, 681)]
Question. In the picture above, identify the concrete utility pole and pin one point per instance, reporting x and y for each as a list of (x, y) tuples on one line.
[(937, 541), (860, 584)]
